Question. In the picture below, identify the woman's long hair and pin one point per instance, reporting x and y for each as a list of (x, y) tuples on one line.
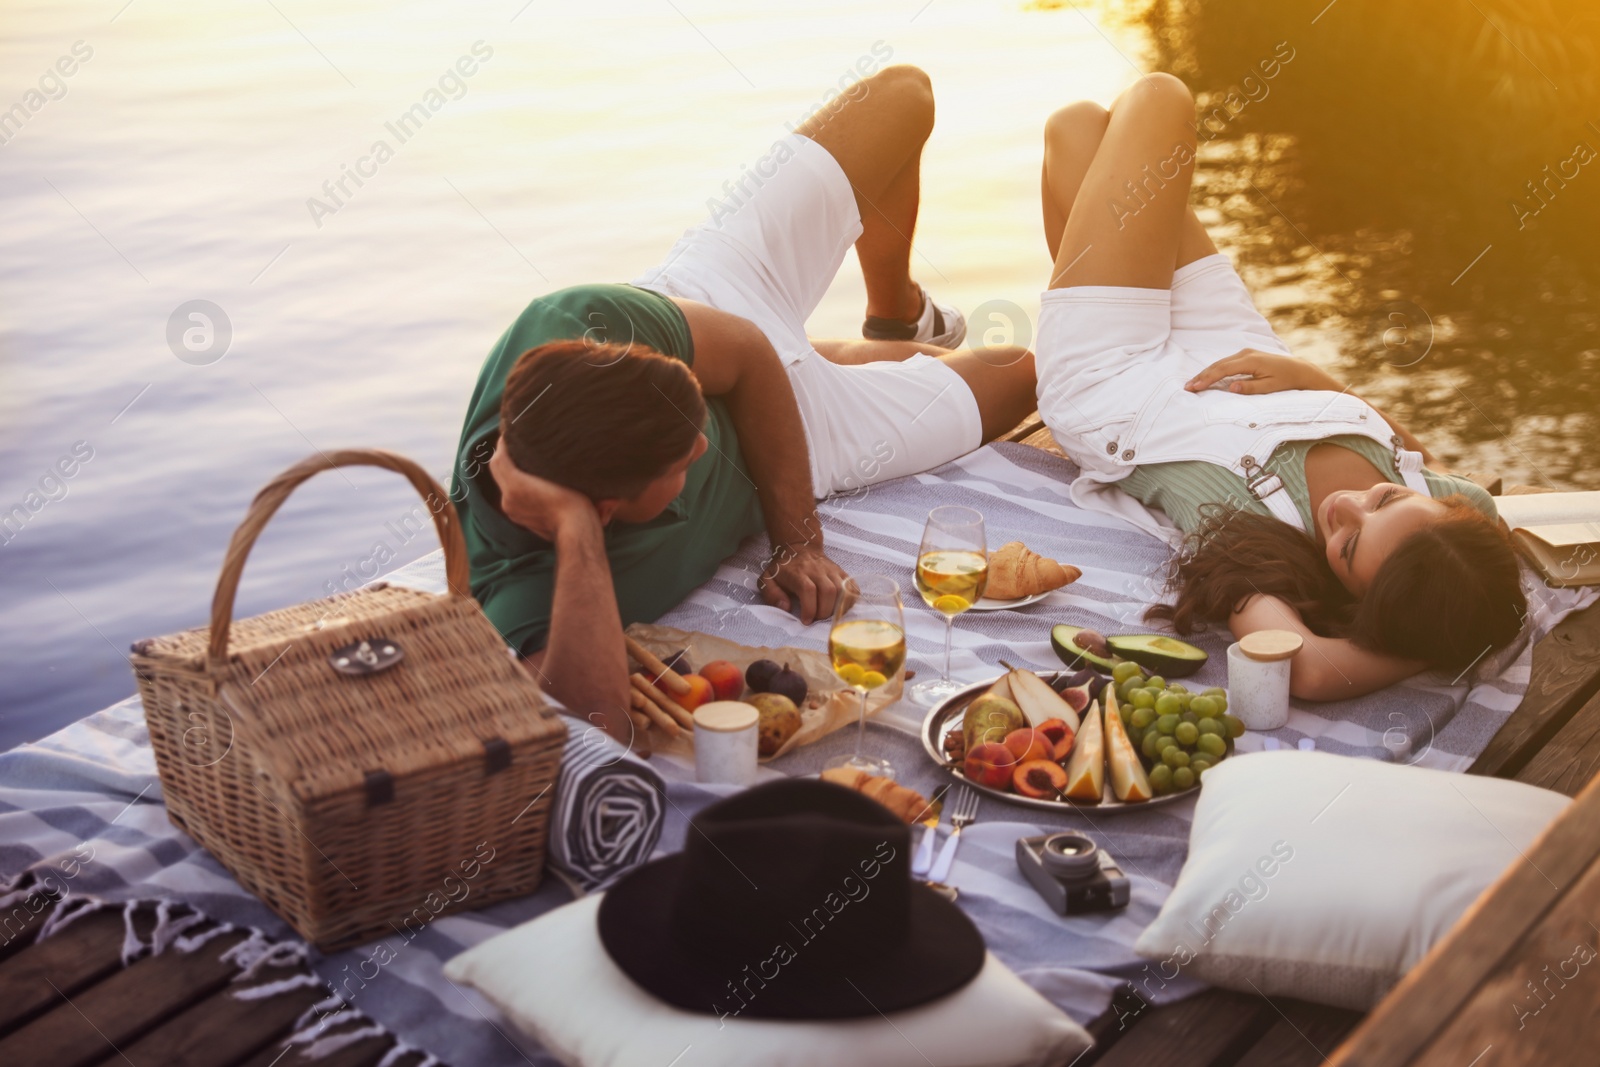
[(1446, 595)]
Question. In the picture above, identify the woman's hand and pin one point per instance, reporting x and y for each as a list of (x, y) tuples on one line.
[(1268, 372)]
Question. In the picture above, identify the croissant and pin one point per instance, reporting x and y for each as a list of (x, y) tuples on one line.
[(1015, 571), (906, 803)]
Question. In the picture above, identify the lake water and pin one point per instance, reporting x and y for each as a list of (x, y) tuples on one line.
[(178, 159)]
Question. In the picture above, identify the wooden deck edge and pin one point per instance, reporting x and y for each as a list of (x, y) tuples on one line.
[(1563, 678), (1428, 998)]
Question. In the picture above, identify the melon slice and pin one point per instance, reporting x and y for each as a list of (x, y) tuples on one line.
[(1129, 783), (1086, 770), (1038, 701)]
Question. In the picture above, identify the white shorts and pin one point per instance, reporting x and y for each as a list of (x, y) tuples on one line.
[(768, 254), (1112, 357)]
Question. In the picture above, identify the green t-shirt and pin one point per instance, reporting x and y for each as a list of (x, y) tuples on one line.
[(655, 564), (1183, 488)]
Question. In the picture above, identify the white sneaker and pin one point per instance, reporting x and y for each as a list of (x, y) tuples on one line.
[(939, 325)]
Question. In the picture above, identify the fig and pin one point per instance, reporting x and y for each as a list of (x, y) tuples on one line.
[(679, 661), (790, 683), (759, 675)]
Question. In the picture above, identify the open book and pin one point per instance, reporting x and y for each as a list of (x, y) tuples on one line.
[(1558, 532)]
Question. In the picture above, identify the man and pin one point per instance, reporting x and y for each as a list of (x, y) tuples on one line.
[(622, 440)]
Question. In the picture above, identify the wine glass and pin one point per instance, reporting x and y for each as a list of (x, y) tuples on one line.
[(867, 646), (952, 570)]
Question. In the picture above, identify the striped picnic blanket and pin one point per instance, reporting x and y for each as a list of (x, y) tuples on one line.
[(86, 799)]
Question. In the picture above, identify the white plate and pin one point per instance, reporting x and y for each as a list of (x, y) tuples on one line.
[(987, 603)]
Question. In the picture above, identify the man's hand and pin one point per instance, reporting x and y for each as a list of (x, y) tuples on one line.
[(537, 505), (1269, 372), (801, 576)]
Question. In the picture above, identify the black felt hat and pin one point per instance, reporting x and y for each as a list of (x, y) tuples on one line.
[(791, 900)]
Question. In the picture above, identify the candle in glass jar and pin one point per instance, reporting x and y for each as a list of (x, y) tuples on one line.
[(726, 740), (1258, 678)]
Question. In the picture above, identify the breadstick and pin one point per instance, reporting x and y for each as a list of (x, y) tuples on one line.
[(666, 703), (659, 672), (643, 704), (641, 734)]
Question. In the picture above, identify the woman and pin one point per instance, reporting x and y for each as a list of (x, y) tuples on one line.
[(1304, 507)]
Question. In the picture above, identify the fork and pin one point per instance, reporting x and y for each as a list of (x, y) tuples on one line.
[(963, 813)]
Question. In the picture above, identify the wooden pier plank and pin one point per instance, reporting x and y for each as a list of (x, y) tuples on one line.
[(223, 1030), (1214, 1026), (83, 1029), (1565, 674), (1570, 759), (34, 980)]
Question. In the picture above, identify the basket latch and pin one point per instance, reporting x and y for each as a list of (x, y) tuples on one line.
[(380, 787), (497, 755), (366, 656)]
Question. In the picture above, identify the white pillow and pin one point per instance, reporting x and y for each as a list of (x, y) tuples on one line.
[(554, 980), (1327, 877)]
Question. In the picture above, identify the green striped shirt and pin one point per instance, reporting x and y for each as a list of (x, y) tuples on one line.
[(1180, 489)]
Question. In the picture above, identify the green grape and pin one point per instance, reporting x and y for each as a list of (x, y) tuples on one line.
[(1188, 716), (1182, 778), (1124, 670), (1164, 742), (1199, 765), (1185, 700), (1235, 727), (1167, 723), (1161, 779), (1177, 687), (1214, 691), (1212, 745), (1141, 698), (1167, 704), (1155, 681), (1212, 726), (1187, 734), (1149, 745), (1222, 704), (1136, 737), (1143, 717), (1175, 757), (1126, 714), (1205, 707), (1136, 682)]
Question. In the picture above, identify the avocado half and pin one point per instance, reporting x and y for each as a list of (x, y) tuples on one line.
[(1160, 653), (1061, 640)]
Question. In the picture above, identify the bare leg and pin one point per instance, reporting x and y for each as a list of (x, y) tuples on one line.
[(1115, 188), (877, 136)]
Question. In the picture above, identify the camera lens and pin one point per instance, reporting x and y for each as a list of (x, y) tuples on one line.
[(1070, 856)]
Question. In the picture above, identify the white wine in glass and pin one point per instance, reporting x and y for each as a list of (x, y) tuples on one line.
[(952, 570), (867, 647)]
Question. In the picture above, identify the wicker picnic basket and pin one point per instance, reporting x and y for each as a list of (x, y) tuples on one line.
[(362, 763)]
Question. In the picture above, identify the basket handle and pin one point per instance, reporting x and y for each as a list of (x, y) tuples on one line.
[(445, 522)]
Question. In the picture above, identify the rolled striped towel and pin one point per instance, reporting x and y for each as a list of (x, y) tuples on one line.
[(608, 810)]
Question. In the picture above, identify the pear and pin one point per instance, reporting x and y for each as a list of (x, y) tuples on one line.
[(1001, 688), (1129, 783), (990, 718), (1038, 701), (1086, 770)]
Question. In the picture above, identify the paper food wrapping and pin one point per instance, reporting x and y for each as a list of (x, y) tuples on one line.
[(829, 704)]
